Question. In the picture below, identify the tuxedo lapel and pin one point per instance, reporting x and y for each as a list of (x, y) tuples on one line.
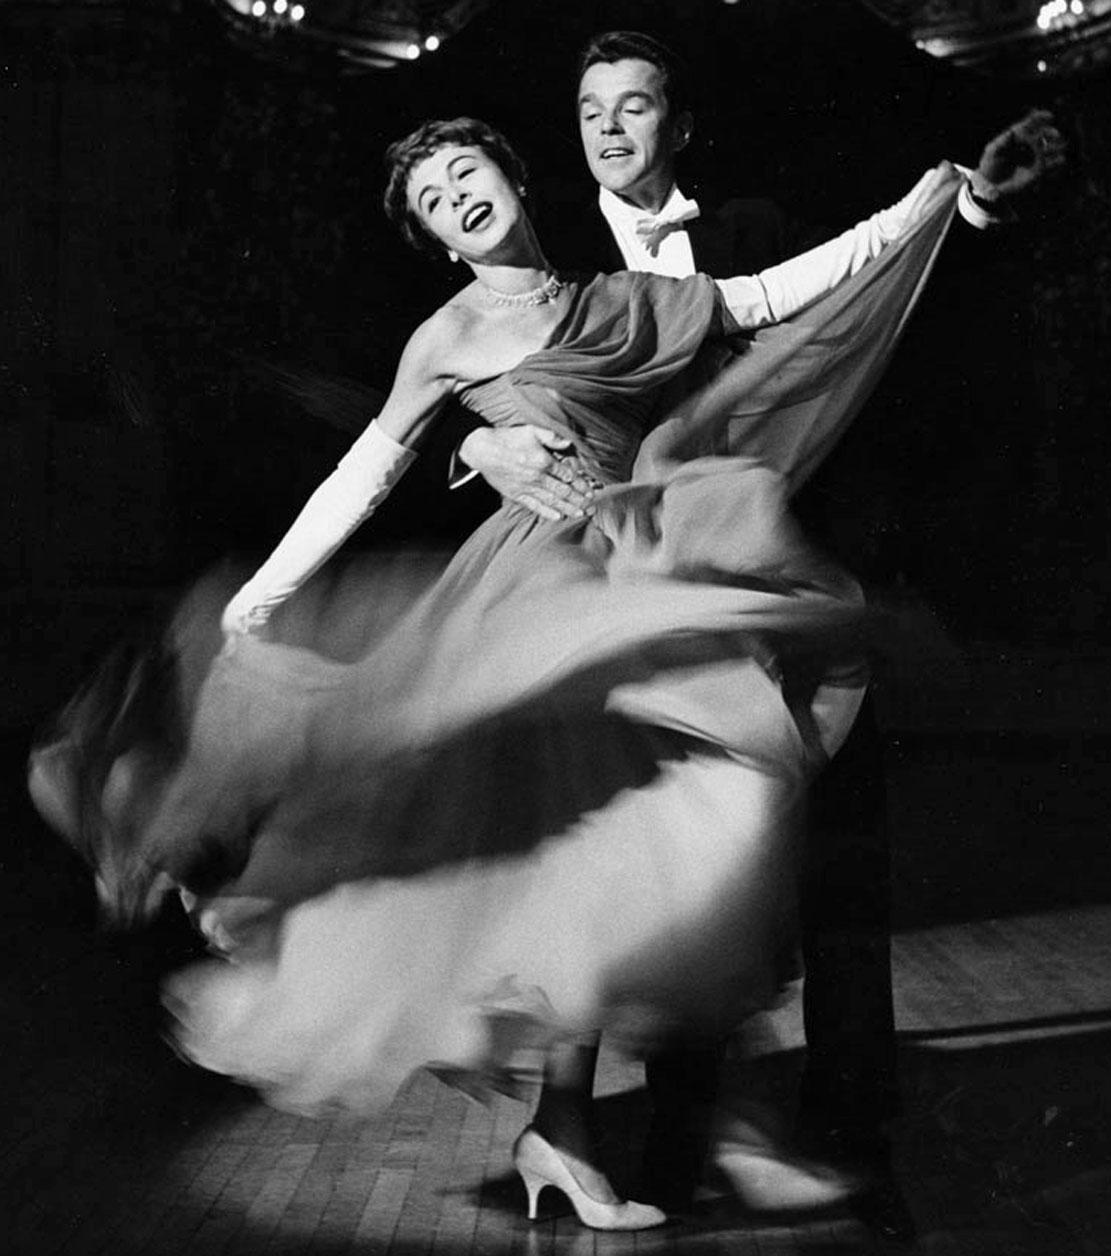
[(580, 240), (712, 245), (602, 249)]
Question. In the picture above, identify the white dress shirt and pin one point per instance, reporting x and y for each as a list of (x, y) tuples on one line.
[(671, 256)]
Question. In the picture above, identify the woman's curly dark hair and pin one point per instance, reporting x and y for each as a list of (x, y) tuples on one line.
[(404, 155)]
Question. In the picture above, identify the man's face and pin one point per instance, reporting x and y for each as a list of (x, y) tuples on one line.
[(628, 134)]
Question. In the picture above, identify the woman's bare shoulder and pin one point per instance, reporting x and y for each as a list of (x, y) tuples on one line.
[(443, 337)]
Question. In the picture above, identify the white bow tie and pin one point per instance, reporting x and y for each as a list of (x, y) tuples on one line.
[(653, 228)]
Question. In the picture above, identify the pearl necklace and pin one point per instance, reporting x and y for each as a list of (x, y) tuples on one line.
[(548, 291)]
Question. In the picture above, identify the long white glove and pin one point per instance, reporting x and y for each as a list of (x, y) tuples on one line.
[(780, 291), (361, 481)]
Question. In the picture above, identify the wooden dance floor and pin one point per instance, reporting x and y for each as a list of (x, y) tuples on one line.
[(113, 1147)]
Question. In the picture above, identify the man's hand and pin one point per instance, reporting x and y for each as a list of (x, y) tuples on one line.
[(1019, 157), (527, 465)]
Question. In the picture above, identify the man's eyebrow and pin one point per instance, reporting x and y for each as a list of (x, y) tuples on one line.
[(634, 93)]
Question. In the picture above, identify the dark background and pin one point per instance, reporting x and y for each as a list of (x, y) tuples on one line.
[(183, 224), (182, 221)]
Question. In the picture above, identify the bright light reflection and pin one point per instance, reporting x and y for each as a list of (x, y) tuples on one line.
[(259, 8), (1055, 11), (432, 43), (297, 12)]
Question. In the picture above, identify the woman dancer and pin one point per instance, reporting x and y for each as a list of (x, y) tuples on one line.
[(559, 793)]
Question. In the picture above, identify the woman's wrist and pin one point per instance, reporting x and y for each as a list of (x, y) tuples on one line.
[(243, 616)]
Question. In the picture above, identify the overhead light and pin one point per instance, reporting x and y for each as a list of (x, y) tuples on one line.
[(374, 34), (1008, 37)]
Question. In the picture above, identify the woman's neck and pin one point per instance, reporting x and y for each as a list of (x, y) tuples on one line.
[(513, 280), (519, 267)]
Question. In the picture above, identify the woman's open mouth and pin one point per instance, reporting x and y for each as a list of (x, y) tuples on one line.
[(477, 215)]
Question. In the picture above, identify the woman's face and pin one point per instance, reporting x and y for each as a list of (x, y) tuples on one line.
[(465, 201)]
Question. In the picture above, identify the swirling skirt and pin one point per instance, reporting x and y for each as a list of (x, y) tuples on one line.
[(558, 790)]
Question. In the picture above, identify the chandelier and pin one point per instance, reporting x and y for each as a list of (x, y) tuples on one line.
[(1018, 38), (360, 34)]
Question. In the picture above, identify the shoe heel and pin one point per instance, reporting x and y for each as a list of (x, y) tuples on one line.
[(534, 1184)]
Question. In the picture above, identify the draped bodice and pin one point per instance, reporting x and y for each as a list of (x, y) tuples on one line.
[(598, 380)]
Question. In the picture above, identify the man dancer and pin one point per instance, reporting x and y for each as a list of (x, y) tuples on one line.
[(634, 119)]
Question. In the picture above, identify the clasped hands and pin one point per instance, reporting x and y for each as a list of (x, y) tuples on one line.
[(534, 467)]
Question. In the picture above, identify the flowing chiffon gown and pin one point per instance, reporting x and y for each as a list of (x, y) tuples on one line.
[(560, 789)]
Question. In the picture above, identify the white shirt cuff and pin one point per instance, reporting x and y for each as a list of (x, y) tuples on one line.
[(976, 213), (458, 473)]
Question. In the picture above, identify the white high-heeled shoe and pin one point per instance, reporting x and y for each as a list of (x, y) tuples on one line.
[(767, 1181), (540, 1165)]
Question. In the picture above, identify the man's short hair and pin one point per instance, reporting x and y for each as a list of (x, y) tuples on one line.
[(635, 45), (406, 154)]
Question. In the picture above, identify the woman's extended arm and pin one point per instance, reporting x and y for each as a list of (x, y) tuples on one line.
[(780, 291), (361, 482)]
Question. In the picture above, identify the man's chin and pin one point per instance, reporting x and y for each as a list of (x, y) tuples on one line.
[(618, 186)]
